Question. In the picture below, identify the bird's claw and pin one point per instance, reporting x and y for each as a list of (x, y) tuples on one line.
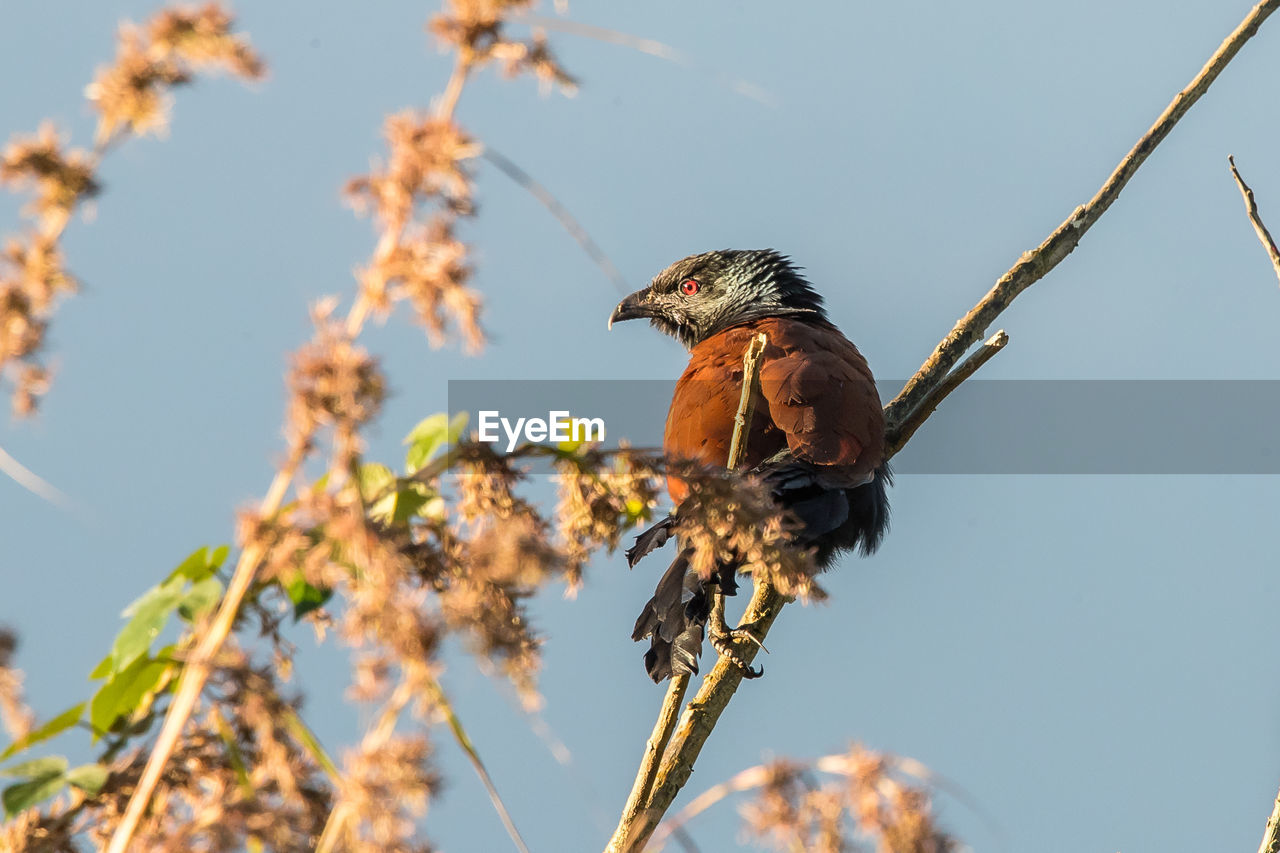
[(724, 644)]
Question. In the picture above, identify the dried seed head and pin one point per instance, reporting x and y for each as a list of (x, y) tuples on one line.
[(60, 179)]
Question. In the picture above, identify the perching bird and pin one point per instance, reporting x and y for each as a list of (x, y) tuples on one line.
[(816, 437)]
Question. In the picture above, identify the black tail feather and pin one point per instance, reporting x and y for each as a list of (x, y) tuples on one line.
[(674, 619)]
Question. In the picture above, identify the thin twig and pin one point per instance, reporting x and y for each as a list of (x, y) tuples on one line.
[(900, 434), (720, 684), (1036, 264), (638, 820), (716, 624), (1251, 208), (31, 481), (448, 101), (654, 48), (562, 215), (464, 741), (746, 400)]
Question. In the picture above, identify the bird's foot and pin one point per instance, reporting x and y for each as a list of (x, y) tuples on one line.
[(725, 642)]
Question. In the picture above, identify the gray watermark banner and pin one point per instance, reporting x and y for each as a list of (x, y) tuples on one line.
[(984, 427)]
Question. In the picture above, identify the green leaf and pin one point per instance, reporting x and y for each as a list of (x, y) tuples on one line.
[(102, 670), (37, 767), (149, 615), (200, 599), (36, 790), (88, 777), (194, 567), (401, 505), (219, 556), (637, 511), (127, 692), (432, 433), (200, 564), (409, 501), (57, 725), (303, 735), (375, 479), (304, 596)]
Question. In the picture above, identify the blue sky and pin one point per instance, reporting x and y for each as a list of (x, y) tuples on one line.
[(1090, 658)]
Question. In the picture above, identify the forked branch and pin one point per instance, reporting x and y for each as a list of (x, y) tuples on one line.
[(1255, 219)]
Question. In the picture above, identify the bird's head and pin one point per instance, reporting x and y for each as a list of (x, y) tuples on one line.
[(701, 295)]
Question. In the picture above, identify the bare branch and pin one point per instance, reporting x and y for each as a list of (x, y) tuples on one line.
[(1036, 264), (1251, 208), (900, 434)]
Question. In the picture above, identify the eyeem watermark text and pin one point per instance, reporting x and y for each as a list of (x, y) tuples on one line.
[(558, 427)]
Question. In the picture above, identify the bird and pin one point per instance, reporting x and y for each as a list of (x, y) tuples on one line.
[(816, 440)]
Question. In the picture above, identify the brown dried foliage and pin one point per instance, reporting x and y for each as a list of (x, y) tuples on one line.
[(131, 96), (729, 519), (32, 270), (476, 29), (421, 260), (385, 787), (238, 776), (203, 37), (601, 498), (15, 716), (333, 383), (61, 180), (886, 806)]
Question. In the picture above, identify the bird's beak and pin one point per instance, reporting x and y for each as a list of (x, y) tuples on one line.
[(634, 306)]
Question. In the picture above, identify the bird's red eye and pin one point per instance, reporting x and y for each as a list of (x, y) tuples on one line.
[(689, 287)]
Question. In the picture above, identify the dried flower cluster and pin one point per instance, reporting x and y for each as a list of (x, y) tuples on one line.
[(426, 184), (476, 29), (131, 96), (15, 716), (386, 785), (730, 520), (419, 259), (241, 777), (32, 272), (60, 180), (333, 383), (600, 499), (886, 804)]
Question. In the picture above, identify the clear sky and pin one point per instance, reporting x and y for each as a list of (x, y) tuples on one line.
[(1090, 658)]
